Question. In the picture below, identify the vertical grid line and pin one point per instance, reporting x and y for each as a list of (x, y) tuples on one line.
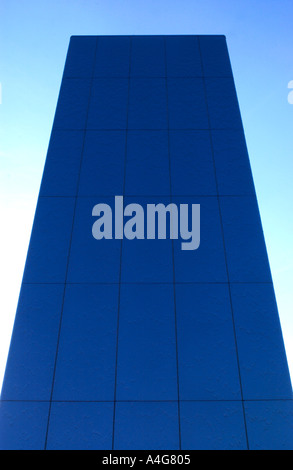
[(224, 244), (121, 245), (172, 241), (69, 248)]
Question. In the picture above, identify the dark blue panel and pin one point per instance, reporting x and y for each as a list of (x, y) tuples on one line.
[(61, 171), (108, 106), (147, 260), (232, 163), (212, 426), (263, 365), (192, 168), (80, 426), (80, 57), (147, 168), (102, 170), (222, 103), (148, 56), (245, 246), (23, 425), (71, 111), (87, 348), (207, 263), (215, 58), (183, 57), (49, 244), (270, 425), (147, 104), (208, 367), (143, 426), (112, 59), (147, 349), (186, 104), (30, 366), (92, 260)]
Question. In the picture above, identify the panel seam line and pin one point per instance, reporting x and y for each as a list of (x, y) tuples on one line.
[(224, 246), (69, 250)]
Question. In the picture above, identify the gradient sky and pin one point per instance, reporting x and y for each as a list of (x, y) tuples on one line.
[(34, 37)]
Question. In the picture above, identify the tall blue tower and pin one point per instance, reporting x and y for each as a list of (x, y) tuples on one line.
[(135, 343)]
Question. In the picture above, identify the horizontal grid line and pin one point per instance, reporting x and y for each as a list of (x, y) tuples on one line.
[(161, 36), (150, 401), (56, 128), (84, 196), (148, 282), (118, 77)]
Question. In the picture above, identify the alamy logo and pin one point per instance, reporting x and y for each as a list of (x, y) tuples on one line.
[(158, 221)]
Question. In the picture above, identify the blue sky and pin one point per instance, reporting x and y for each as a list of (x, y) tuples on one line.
[(34, 37)]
